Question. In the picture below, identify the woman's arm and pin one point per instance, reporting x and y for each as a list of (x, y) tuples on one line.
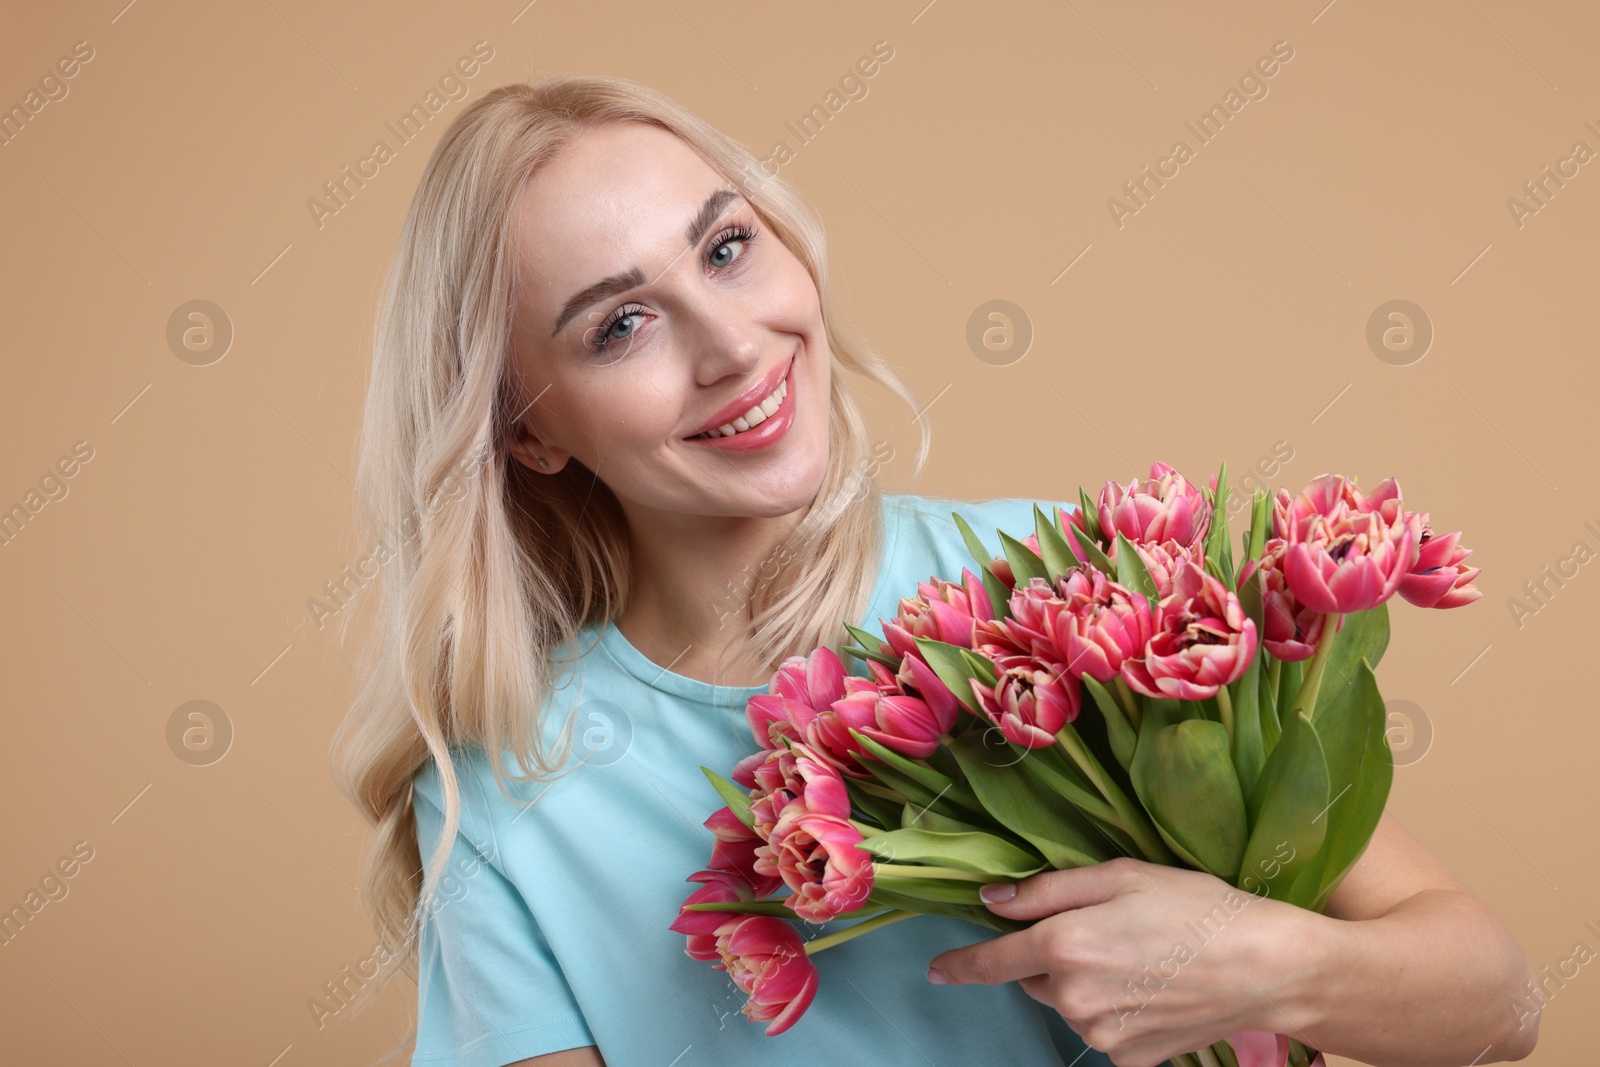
[(1407, 967), (1407, 957)]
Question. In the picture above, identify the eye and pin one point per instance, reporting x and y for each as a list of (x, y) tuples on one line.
[(733, 235), (602, 335)]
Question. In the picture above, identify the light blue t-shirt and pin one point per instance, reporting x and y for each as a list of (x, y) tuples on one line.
[(550, 931)]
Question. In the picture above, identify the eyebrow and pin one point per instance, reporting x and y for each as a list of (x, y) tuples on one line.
[(633, 277)]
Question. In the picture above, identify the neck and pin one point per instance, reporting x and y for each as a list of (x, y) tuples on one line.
[(693, 578)]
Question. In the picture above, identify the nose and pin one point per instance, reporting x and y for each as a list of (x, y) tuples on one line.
[(725, 340)]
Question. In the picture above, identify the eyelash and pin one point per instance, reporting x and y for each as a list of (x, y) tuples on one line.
[(739, 232)]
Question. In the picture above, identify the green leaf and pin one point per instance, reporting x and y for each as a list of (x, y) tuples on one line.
[(905, 785), (1218, 545), (1249, 747), (1058, 555), (951, 668), (1090, 512), (919, 772), (892, 662), (880, 810), (1286, 809), (1252, 598), (1260, 523), (1271, 725), (1061, 777), (937, 890), (1365, 635), (1352, 731), (1184, 776), (980, 667), (876, 646), (980, 554), (1119, 731), (1289, 678), (1025, 562), (1064, 836), (1131, 571), (884, 898), (974, 851), (915, 818), (999, 595), (737, 799), (1090, 550)]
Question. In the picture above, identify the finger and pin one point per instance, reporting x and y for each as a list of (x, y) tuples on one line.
[(1049, 892), (1000, 959)]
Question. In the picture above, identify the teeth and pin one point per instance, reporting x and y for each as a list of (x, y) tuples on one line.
[(755, 416)]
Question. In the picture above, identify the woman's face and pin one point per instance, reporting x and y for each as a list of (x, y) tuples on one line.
[(649, 304)]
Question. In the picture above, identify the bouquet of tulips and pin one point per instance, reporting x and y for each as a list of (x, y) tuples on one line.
[(1114, 683)]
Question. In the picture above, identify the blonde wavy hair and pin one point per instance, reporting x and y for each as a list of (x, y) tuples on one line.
[(492, 568)]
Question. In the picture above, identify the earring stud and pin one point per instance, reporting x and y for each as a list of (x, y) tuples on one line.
[(544, 464)]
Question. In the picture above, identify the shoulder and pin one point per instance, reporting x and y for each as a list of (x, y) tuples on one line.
[(478, 797), (933, 517), (928, 543)]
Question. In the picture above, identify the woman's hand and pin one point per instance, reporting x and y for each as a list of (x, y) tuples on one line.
[(1145, 961)]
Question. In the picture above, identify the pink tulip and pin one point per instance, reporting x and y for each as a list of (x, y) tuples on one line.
[(735, 851), (1328, 495), (1290, 631), (767, 961), (1163, 507), (916, 678), (1036, 610), (701, 926), (942, 610), (817, 858), (1201, 640), (1161, 560), (1258, 1048), (909, 725), (1349, 561), (1086, 621), (803, 686), (1030, 701), (1107, 624), (1439, 578), (796, 775)]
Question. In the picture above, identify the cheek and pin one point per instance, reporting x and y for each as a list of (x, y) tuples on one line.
[(621, 408)]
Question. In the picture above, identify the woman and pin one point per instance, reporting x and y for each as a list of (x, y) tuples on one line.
[(605, 420)]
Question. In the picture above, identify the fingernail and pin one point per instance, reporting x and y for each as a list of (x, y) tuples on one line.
[(997, 892), (935, 977)]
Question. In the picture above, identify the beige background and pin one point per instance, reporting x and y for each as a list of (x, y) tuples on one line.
[(1227, 315)]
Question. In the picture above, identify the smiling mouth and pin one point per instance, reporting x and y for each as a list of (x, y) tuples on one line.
[(755, 416)]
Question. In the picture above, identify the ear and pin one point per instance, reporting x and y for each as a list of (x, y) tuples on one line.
[(526, 448)]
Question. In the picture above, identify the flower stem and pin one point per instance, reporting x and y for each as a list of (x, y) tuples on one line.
[(865, 926), (1207, 1058), (906, 870), (1130, 703), (1225, 706), (1311, 685), (1274, 671), (1131, 815), (867, 829)]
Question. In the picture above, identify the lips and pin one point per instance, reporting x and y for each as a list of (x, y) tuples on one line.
[(747, 399)]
